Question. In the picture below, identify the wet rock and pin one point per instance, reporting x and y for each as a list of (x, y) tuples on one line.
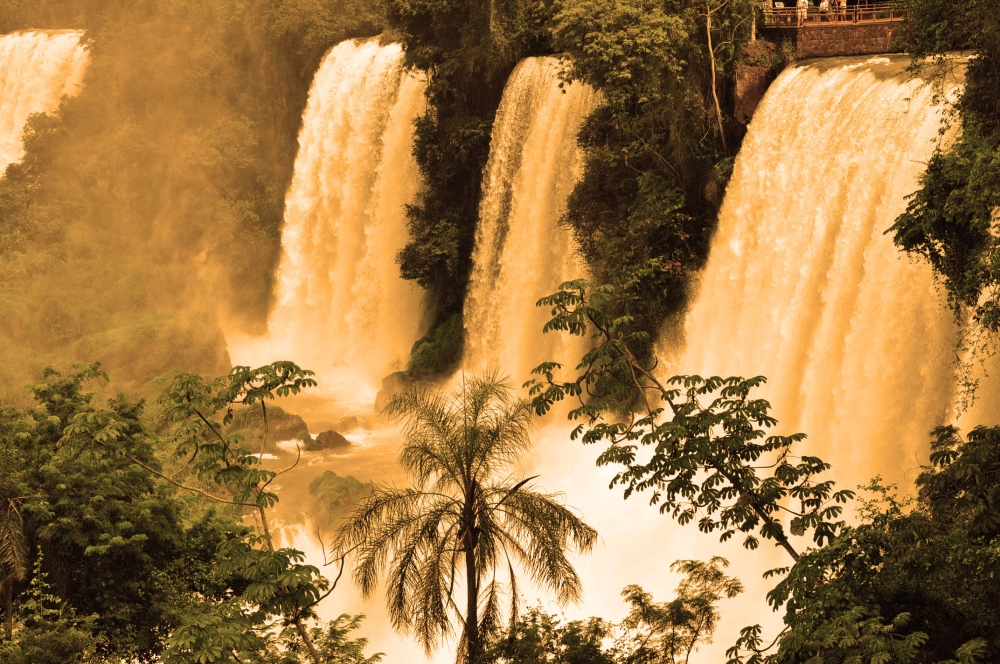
[(329, 440), (392, 384)]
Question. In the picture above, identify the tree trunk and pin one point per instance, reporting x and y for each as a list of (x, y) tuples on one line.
[(472, 610), (304, 633), (471, 579), (711, 58), (8, 607)]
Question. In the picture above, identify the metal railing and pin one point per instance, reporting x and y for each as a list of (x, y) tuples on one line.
[(788, 17)]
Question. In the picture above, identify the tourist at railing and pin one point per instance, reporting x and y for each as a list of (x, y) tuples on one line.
[(778, 13)]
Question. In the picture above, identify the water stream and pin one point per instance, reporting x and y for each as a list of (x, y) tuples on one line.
[(37, 69)]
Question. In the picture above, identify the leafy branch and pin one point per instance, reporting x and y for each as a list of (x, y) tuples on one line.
[(698, 446)]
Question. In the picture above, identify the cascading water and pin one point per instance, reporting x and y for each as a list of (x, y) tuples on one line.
[(341, 308), (521, 253), (37, 69), (804, 287)]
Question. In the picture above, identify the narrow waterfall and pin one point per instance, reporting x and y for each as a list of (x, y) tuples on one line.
[(803, 285), (521, 253), (37, 69), (341, 308)]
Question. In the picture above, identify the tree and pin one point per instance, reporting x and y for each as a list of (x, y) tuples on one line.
[(911, 583), (652, 632), (464, 520), (659, 149), (708, 438), (950, 220), (179, 579), (669, 632), (539, 638), (49, 630)]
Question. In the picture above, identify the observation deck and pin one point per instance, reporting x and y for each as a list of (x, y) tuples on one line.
[(861, 29)]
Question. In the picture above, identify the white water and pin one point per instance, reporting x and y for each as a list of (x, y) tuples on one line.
[(804, 287), (37, 69), (521, 253), (341, 307)]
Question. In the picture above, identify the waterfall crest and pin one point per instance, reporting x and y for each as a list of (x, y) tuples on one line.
[(803, 285), (37, 69), (521, 253), (341, 307)]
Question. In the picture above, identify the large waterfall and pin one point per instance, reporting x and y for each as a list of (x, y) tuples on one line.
[(37, 69), (521, 252), (804, 287), (342, 308)]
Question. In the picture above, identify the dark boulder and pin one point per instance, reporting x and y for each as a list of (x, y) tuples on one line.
[(329, 440)]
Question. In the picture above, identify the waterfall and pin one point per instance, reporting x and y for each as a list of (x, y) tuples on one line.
[(37, 69), (521, 253), (341, 307), (803, 285)]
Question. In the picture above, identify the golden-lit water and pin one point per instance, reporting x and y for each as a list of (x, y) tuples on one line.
[(521, 252), (804, 286), (341, 308), (37, 69)]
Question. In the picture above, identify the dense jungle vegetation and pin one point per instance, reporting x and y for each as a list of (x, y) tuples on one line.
[(658, 151)]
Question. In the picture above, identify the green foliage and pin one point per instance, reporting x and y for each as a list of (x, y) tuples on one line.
[(48, 631), (651, 633), (539, 638), (465, 522), (933, 565), (950, 221), (163, 577), (659, 150), (440, 350), (913, 582), (705, 436), (669, 632)]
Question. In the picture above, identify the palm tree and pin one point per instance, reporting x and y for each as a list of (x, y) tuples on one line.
[(463, 520)]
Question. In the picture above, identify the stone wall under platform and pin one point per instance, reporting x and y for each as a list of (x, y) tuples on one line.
[(818, 40)]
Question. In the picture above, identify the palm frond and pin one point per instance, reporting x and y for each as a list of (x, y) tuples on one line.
[(13, 544)]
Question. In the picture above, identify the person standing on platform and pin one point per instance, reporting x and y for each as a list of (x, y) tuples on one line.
[(803, 11)]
